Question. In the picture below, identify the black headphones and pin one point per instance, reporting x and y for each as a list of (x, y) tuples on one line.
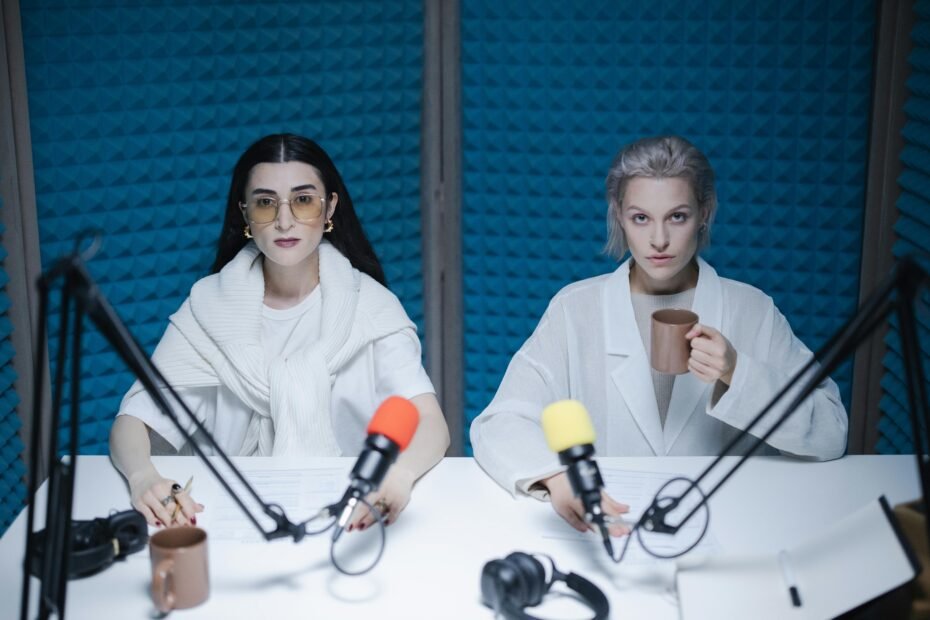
[(97, 543), (519, 580)]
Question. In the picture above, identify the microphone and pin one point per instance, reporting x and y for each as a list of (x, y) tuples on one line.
[(389, 432), (569, 432)]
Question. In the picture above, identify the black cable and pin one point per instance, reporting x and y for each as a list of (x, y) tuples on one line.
[(379, 519), (641, 523)]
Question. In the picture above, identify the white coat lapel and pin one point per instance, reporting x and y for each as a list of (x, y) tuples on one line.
[(688, 389), (631, 376)]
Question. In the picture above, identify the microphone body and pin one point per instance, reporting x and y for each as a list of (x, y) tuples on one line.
[(389, 432), (569, 432), (585, 478), (372, 466)]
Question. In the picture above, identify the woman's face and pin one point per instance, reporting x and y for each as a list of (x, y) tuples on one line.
[(661, 219), (295, 187)]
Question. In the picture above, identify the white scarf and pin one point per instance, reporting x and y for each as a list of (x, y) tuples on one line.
[(218, 341)]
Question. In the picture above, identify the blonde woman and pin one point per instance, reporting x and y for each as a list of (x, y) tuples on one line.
[(592, 344)]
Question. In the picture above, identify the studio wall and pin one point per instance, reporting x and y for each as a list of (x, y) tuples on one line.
[(777, 94), (138, 112)]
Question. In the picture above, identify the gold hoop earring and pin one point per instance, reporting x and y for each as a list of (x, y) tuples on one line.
[(329, 226), (247, 232)]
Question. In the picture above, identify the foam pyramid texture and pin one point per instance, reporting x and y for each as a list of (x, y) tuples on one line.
[(913, 237), (12, 467), (139, 111), (777, 94)]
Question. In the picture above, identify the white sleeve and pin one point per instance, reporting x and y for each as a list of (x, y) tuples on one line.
[(768, 356), (398, 367), (200, 400), (507, 438)]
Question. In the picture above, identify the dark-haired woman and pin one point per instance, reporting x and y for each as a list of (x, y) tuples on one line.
[(292, 342)]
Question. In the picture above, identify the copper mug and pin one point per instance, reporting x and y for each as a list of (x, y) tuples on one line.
[(179, 568), (670, 349)]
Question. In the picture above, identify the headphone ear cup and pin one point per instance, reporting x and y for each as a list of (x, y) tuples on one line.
[(490, 593), (533, 576), (489, 589), (519, 581), (502, 583)]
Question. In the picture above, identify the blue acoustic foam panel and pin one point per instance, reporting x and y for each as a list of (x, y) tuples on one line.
[(139, 111), (913, 238), (12, 467), (777, 94)]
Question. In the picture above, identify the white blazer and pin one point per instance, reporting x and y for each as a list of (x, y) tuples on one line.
[(587, 347)]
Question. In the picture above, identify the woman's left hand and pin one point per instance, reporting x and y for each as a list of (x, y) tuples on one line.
[(390, 499), (712, 358)]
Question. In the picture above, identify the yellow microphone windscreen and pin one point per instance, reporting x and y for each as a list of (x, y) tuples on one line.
[(566, 424)]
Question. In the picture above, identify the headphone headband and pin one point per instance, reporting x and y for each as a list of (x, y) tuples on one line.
[(97, 543)]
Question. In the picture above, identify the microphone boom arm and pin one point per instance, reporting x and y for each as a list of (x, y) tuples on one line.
[(80, 289), (122, 341)]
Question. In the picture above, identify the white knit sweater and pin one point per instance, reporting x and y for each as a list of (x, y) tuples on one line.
[(217, 341)]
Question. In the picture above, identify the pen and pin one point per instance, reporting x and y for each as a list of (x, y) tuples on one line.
[(788, 575), (177, 504)]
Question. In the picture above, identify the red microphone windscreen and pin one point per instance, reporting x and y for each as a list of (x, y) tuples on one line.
[(396, 419)]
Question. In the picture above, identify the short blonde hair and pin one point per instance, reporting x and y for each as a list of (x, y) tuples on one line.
[(659, 158)]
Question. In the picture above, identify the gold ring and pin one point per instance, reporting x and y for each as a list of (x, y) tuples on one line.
[(382, 506)]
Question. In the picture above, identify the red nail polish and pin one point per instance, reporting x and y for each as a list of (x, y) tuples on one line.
[(158, 523), (194, 520)]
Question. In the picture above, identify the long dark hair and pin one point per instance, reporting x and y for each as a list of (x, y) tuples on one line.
[(347, 235)]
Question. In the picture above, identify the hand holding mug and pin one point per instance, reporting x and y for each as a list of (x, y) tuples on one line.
[(712, 357)]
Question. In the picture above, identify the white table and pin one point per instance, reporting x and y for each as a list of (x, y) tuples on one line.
[(458, 520)]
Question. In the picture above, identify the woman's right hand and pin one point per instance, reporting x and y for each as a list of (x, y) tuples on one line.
[(147, 489), (570, 508)]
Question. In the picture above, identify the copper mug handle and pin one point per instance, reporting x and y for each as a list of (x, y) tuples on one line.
[(161, 592)]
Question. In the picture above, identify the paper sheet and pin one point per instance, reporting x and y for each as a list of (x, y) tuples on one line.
[(637, 489), (300, 492)]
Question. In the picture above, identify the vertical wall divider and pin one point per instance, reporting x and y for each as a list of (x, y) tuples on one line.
[(895, 20), (21, 237), (441, 199)]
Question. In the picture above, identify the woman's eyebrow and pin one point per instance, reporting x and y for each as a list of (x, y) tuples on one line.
[(683, 205), (262, 190)]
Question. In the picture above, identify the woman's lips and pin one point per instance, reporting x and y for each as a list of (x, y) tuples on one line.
[(660, 260), (286, 243)]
